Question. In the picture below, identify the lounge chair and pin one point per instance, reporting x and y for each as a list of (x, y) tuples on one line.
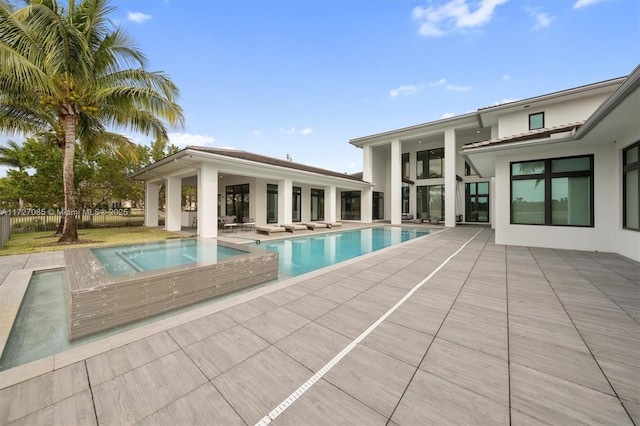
[(229, 223), (248, 224), (314, 225), (295, 227), (332, 224), (270, 229)]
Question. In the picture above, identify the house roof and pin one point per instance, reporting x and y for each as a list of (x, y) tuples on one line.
[(245, 156), (258, 158), (532, 135)]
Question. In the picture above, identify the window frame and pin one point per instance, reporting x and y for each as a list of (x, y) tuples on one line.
[(547, 176), (406, 165), (532, 115), (626, 168), (425, 173)]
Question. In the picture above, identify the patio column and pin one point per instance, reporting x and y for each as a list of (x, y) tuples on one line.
[(395, 186), (151, 201), (285, 203), (450, 181), (330, 201), (173, 198), (208, 201), (366, 195), (367, 163)]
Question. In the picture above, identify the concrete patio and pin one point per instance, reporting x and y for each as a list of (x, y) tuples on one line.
[(498, 335)]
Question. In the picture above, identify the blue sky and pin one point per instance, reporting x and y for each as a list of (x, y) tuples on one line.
[(302, 77)]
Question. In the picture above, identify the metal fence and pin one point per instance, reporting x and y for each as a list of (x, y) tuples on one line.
[(94, 219), (5, 228)]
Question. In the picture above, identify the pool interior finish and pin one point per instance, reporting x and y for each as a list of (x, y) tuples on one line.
[(300, 255), (130, 259)]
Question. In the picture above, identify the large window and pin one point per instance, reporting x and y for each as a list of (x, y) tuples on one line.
[(378, 205), (555, 191), (430, 163), (405, 166), (631, 187), (430, 202), (317, 204), (238, 201), (350, 205), (536, 121), (477, 197), (405, 199), (296, 204), (272, 203)]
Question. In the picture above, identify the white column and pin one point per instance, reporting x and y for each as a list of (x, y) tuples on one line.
[(367, 163), (395, 186), (366, 205), (285, 203), (450, 182), (208, 201), (330, 203), (151, 201), (174, 209)]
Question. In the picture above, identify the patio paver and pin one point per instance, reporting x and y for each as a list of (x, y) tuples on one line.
[(499, 335)]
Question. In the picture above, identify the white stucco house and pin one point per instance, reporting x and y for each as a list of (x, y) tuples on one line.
[(559, 170)]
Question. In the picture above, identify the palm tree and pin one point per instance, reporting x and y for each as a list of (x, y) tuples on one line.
[(70, 73)]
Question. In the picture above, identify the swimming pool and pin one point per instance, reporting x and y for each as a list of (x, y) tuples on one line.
[(300, 255)]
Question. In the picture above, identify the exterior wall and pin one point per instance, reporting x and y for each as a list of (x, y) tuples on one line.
[(554, 115), (382, 178), (602, 237)]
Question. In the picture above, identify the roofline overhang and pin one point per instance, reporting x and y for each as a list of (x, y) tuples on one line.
[(550, 96), (631, 83), (240, 161), (554, 138), (406, 132)]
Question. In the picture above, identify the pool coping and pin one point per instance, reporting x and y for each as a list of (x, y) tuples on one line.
[(59, 360)]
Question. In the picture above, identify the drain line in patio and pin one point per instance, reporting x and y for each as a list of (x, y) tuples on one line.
[(328, 366)]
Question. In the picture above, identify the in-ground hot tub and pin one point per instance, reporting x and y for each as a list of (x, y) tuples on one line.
[(111, 286)]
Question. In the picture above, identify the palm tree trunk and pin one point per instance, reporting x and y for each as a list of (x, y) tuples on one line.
[(70, 229)]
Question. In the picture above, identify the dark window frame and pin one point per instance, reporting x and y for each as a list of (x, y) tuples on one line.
[(626, 168), (425, 173), (296, 204), (547, 176), (318, 195), (541, 113), (477, 195), (406, 165), (272, 189)]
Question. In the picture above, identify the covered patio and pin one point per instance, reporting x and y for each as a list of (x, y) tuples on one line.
[(244, 185)]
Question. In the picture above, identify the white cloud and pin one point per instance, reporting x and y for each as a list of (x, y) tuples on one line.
[(138, 17), (453, 15), (542, 19), (256, 133), (292, 131), (581, 3), (447, 115), (504, 101), (351, 166), (439, 82), (506, 77), (458, 88), (184, 139), (405, 90)]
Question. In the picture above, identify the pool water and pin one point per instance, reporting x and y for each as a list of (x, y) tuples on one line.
[(305, 254), (130, 259)]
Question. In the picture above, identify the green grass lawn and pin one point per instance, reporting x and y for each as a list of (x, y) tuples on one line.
[(36, 242)]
